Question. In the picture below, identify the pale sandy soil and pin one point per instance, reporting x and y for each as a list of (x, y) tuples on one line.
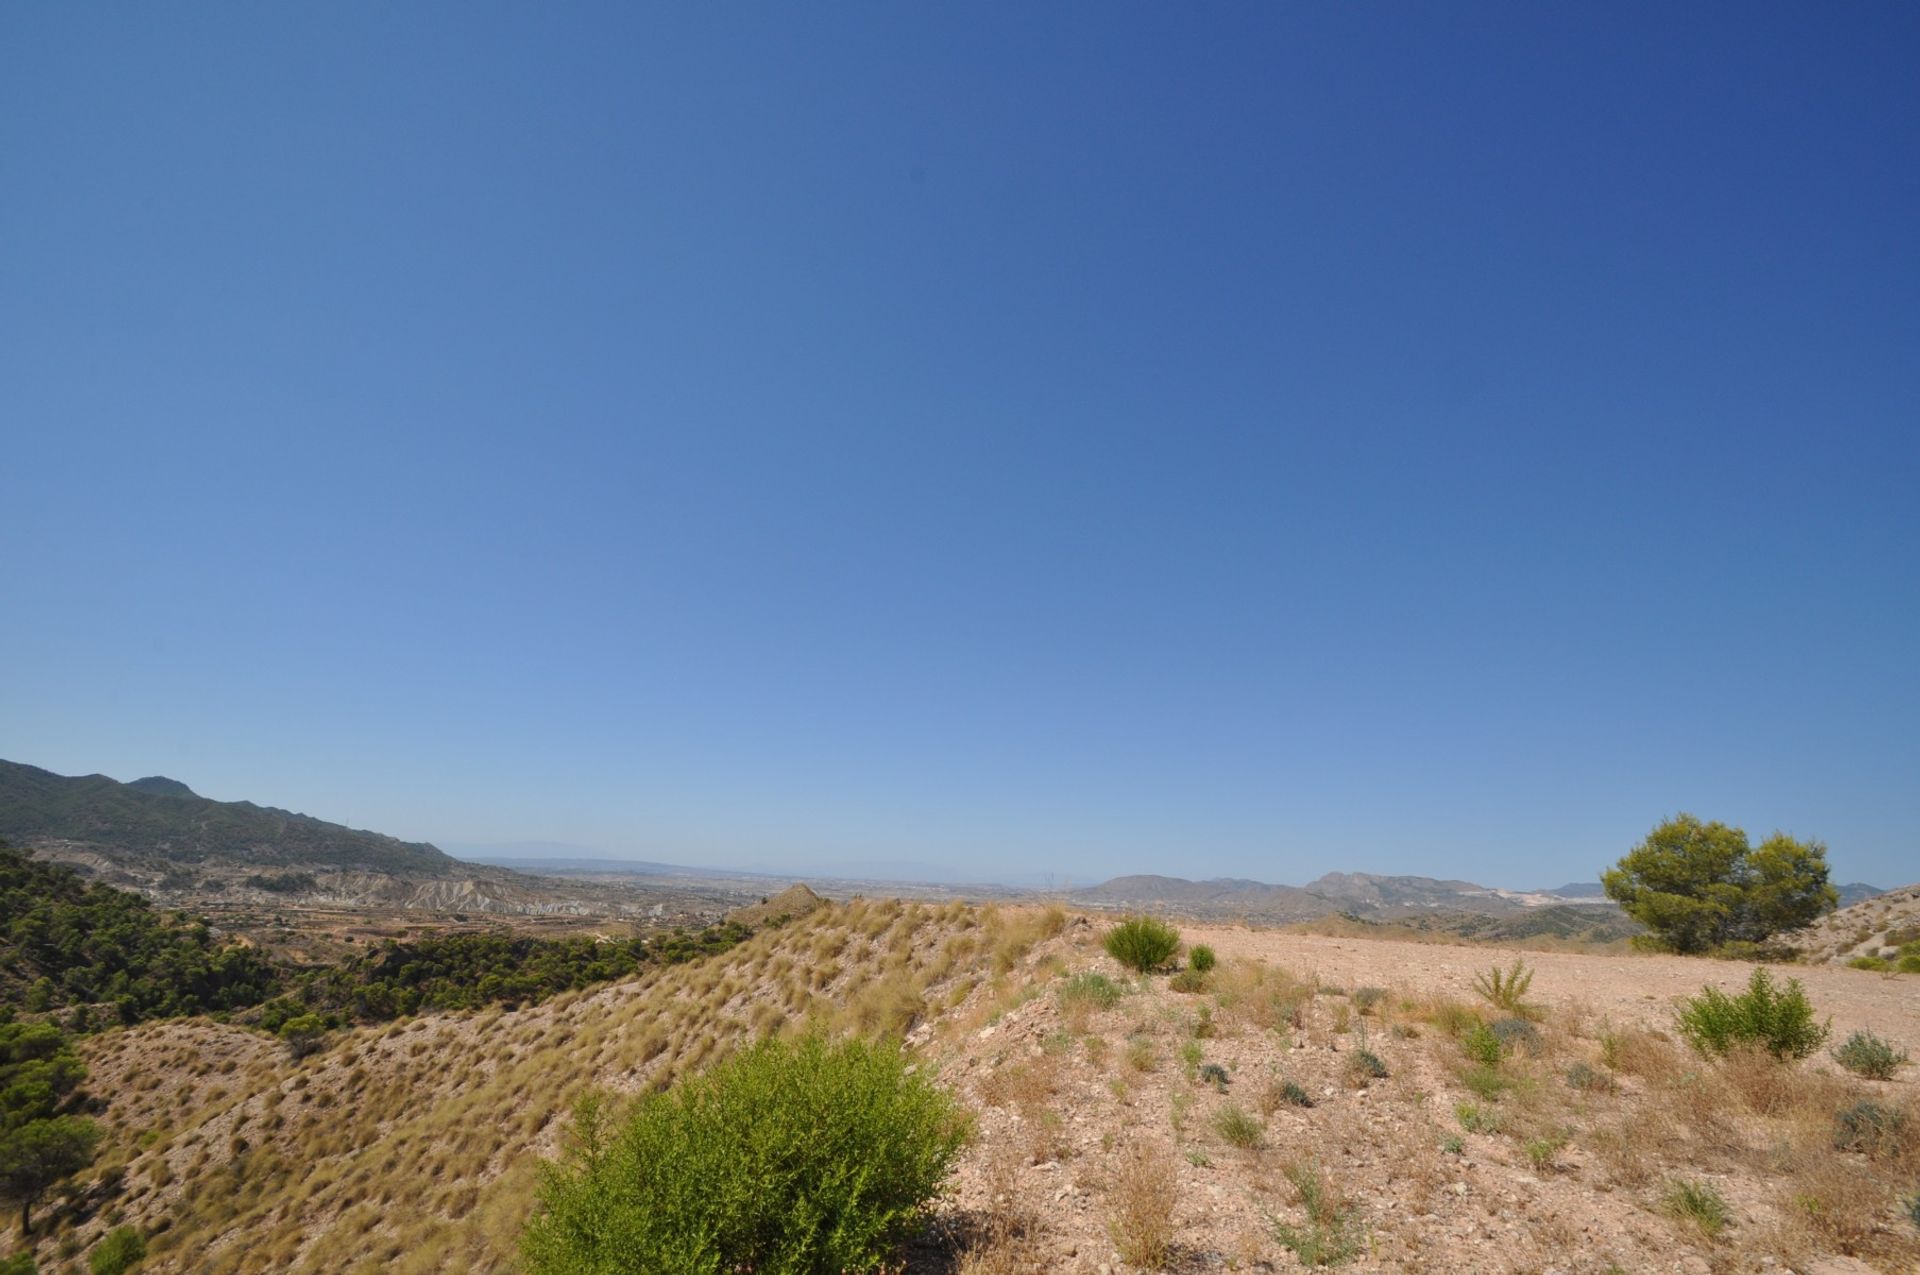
[(1638, 988), (1061, 1105)]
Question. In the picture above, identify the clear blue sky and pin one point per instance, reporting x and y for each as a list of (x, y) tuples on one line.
[(1235, 440)]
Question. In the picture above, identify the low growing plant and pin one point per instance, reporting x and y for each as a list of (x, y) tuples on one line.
[(1869, 1128), (1142, 943), (1778, 1019), (1698, 1203), (1865, 1054), (1092, 989), (1518, 1033), (1332, 1233), (1237, 1128), (1201, 958), (119, 1252)]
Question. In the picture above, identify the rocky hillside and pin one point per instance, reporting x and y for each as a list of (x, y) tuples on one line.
[(1875, 929), (1311, 1100)]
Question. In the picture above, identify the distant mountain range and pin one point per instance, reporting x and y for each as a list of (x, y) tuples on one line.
[(156, 835), (1360, 894), (165, 819)]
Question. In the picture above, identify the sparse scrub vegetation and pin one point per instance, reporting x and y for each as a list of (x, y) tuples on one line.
[(118, 1253), (1331, 1234), (1201, 958), (1779, 1019), (1142, 1195), (1870, 1128), (1142, 943), (1865, 1054), (1698, 1204), (1237, 1128)]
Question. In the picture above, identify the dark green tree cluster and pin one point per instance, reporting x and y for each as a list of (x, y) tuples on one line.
[(1701, 887), (67, 942), (64, 941), (466, 971), (41, 1140)]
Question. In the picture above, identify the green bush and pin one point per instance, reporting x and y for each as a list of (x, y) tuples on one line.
[(1699, 1203), (1188, 980), (1778, 1019), (1092, 989), (1202, 958), (800, 1159), (1909, 964), (1142, 943), (1366, 998), (119, 1252), (1237, 1128), (1482, 1046), (1865, 1054)]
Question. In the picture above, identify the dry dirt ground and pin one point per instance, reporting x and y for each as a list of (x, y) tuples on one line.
[(1090, 1118)]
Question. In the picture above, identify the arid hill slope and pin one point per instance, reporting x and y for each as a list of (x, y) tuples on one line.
[(415, 1147)]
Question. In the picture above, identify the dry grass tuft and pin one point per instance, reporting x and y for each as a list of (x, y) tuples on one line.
[(1141, 1224)]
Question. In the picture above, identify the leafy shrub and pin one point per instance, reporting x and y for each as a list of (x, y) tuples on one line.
[(1517, 1033), (1909, 964), (1142, 943), (1869, 1128), (1476, 1119), (1213, 1074), (1188, 980), (1237, 1128), (1365, 998), (1780, 1020), (1482, 1046), (809, 1157), (1868, 963), (304, 1035), (1865, 1054), (20, 1263), (1541, 1152), (1697, 1202), (1092, 989), (1202, 958), (1506, 990), (118, 1253)]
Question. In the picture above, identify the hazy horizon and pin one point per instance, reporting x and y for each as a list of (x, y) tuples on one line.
[(1242, 443)]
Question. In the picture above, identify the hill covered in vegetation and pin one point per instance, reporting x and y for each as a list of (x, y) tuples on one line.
[(164, 819)]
